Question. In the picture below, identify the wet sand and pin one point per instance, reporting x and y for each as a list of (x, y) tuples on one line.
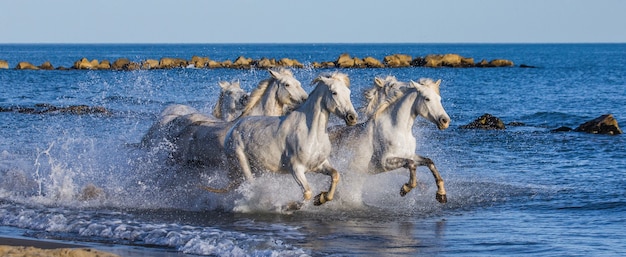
[(18, 247), (15, 247)]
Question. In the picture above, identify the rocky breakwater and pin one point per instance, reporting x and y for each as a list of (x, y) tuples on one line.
[(242, 62)]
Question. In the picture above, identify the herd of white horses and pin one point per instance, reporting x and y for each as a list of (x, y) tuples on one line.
[(280, 128)]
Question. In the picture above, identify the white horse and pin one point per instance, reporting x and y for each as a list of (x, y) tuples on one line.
[(296, 143), (231, 102), (385, 141), (196, 137)]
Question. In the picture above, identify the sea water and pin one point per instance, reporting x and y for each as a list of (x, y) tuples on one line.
[(522, 191)]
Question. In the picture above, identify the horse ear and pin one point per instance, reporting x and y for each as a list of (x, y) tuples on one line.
[(223, 84), (438, 82), (236, 84), (379, 82), (274, 73)]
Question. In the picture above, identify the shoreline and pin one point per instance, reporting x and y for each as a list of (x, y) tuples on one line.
[(22, 246)]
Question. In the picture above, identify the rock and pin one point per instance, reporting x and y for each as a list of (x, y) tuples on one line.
[(150, 64), (344, 61), (605, 124), (213, 64), (358, 62), (398, 60), (26, 66), (46, 66), (169, 63), (242, 63), (323, 65), (446, 60), (84, 64), (501, 63), (104, 65), (495, 63), (226, 64), (4, 64), (120, 64), (292, 63), (516, 124), (486, 121), (199, 62), (266, 63), (371, 62)]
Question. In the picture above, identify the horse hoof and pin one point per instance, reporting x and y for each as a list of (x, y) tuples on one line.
[(441, 198), (293, 206), (405, 189), (320, 199)]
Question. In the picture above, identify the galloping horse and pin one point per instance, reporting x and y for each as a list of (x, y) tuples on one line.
[(231, 102), (296, 143), (385, 141), (200, 138)]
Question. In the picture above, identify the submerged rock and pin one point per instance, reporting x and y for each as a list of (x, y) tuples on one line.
[(486, 121), (605, 124)]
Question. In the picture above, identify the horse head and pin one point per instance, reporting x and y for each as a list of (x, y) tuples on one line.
[(232, 99), (289, 91), (336, 98), (430, 106)]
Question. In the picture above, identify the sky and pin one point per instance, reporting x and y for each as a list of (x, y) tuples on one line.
[(305, 21)]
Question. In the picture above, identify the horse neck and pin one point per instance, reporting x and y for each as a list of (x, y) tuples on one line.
[(315, 113), (401, 114), (267, 105), (217, 110)]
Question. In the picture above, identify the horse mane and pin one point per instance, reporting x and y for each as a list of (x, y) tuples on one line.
[(259, 91), (428, 82), (397, 94), (335, 75), (217, 110), (371, 95)]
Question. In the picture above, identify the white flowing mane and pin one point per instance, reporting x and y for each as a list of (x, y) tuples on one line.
[(372, 95)]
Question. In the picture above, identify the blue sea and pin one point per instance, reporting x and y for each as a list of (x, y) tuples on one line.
[(523, 191)]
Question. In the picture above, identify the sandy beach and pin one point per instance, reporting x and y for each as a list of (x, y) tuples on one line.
[(15, 247)]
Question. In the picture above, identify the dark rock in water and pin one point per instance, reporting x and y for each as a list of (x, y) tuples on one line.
[(526, 66), (604, 124), (562, 129), (516, 124), (487, 121)]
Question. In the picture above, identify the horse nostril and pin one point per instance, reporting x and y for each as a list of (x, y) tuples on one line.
[(444, 120), (351, 118)]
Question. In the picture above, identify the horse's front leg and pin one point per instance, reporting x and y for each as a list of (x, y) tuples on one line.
[(441, 190), (328, 196), (396, 163), (298, 174)]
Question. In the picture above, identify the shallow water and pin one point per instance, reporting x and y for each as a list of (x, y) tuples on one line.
[(522, 191)]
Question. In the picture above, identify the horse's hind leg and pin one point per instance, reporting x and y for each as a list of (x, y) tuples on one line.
[(328, 196), (441, 190), (397, 162)]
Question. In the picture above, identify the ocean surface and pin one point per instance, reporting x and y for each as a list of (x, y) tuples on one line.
[(523, 191)]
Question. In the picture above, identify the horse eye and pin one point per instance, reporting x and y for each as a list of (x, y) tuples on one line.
[(334, 93), (427, 99), (287, 85)]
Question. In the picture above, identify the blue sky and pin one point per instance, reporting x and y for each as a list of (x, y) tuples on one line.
[(322, 21)]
